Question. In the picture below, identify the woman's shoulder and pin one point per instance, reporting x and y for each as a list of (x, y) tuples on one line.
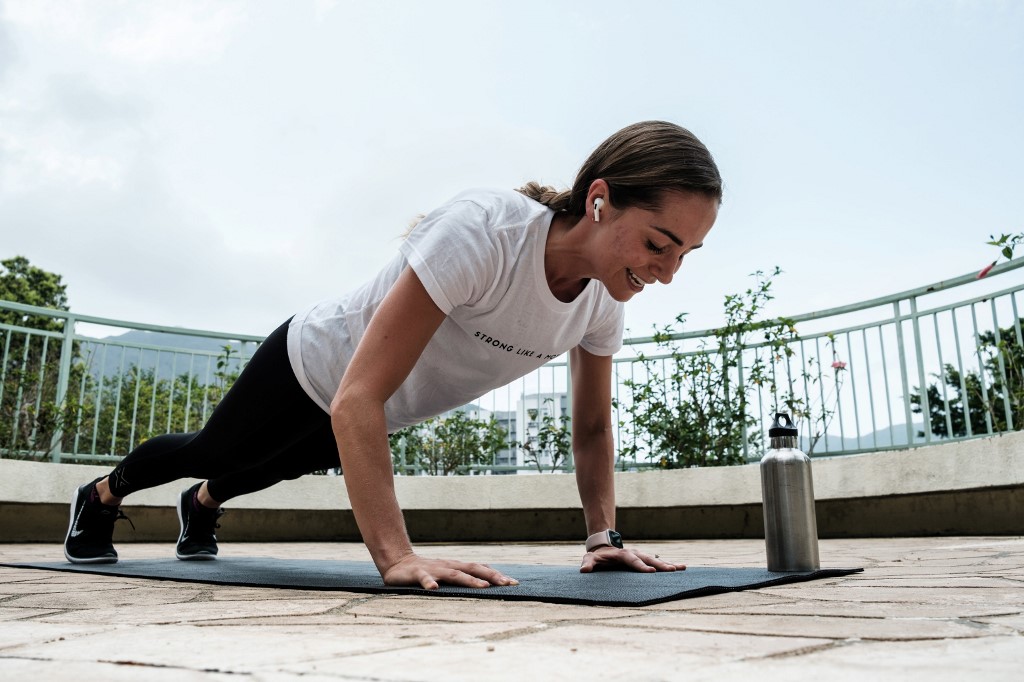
[(501, 204)]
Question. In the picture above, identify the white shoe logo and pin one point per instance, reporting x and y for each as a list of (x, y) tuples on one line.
[(76, 533)]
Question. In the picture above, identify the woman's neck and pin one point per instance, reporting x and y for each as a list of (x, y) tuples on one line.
[(565, 266)]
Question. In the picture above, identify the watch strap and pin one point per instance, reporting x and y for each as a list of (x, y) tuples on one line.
[(605, 538)]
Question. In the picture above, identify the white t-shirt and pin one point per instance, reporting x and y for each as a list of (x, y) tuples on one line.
[(481, 259)]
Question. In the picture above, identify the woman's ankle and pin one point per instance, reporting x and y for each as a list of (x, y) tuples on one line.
[(204, 498), (106, 497)]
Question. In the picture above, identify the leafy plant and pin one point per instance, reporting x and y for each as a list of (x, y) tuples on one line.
[(978, 398), (447, 445), (697, 413)]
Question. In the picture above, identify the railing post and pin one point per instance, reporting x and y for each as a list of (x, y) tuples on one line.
[(903, 372), (570, 464), (926, 413), (63, 377)]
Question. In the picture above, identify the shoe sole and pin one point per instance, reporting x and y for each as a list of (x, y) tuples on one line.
[(71, 524), (204, 556)]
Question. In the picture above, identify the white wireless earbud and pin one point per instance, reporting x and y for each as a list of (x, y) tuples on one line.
[(598, 203)]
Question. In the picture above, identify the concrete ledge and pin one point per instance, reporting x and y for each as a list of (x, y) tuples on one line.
[(974, 487)]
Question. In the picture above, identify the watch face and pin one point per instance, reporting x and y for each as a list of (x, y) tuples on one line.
[(615, 538)]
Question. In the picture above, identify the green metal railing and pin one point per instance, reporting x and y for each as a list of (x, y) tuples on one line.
[(69, 396)]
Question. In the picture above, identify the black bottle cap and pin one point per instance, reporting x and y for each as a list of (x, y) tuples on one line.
[(782, 426)]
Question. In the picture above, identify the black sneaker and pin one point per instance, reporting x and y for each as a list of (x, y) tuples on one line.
[(91, 527), (197, 539)]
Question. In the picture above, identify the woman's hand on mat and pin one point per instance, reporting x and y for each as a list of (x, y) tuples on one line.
[(429, 573), (615, 559)]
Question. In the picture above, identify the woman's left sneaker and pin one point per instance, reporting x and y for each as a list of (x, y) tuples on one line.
[(198, 525)]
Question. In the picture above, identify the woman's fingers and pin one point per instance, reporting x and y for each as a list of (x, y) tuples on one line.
[(632, 559), (431, 573)]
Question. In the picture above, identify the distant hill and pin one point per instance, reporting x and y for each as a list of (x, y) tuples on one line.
[(177, 354)]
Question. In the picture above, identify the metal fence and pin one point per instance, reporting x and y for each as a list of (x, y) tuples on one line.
[(937, 363)]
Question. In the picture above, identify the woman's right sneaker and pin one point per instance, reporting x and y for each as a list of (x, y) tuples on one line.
[(91, 527)]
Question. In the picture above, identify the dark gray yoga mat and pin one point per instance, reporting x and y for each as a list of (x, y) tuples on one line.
[(556, 584)]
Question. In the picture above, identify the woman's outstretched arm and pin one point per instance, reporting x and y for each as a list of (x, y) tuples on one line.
[(594, 458), (394, 340)]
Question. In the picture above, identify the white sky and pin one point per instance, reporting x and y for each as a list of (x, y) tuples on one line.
[(221, 165)]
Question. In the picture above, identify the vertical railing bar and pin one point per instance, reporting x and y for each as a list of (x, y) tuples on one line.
[(20, 393), (100, 385), (839, 402), (3, 370), (964, 397), (807, 393), (901, 349), (206, 387), (821, 392), (789, 370), (169, 428), (885, 380), (117, 402), (81, 400), (632, 381), (40, 387), (1016, 319), (997, 335), (741, 386), (188, 391), (942, 377), (135, 400), (152, 402), (63, 381), (926, 425), (981, 372), (618, 411), (871, 390), (853, 389)]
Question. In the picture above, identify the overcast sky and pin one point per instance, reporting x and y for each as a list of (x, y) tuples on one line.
[(221, 165)]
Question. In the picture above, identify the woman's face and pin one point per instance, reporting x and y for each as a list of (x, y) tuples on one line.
[(642, 246)]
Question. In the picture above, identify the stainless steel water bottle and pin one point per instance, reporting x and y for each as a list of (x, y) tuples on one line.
[(790, 531)]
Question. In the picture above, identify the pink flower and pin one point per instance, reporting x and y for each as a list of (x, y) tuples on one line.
[(838, 364), (985, 270)]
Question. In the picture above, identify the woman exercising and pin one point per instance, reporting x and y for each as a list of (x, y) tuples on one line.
[(541, 271)]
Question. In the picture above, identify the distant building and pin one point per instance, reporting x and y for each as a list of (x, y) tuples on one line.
[(530, 412)]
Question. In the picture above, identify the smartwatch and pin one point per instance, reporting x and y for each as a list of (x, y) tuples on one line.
[(609, 538)]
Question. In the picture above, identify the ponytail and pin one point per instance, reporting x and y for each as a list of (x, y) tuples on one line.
[(549, 196)]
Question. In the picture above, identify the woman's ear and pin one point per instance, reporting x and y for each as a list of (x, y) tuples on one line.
[(597, 199)]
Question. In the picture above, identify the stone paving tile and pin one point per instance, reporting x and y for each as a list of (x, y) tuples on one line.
[(817, 626), (231, 593), (1001, 596), (14, 635), (484, 610), (865, 609), (104, 599), (1015, 621), (940, 582), (62, 671), (39, 587), (236, 649), (10, 613), (196, 612), (349, 625), (723, 600), (575, 652), (993, 659)]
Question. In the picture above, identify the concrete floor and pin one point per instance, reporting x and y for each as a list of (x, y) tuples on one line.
[(925, 608)]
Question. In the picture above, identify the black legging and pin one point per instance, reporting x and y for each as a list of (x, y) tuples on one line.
[(265, 430)]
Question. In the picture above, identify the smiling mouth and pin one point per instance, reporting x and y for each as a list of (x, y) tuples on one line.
[(637, 283)]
